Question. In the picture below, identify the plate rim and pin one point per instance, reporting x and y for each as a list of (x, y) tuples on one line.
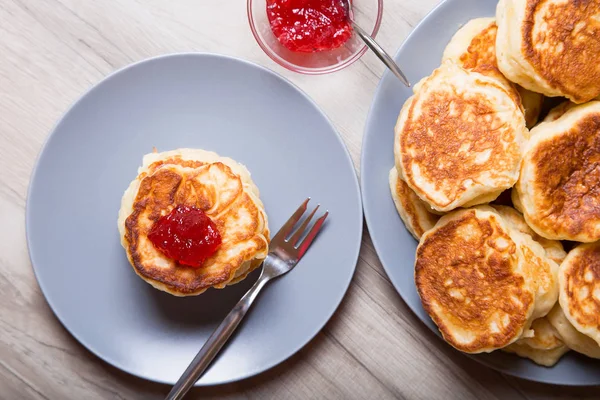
[(367, 213), (33, 177)]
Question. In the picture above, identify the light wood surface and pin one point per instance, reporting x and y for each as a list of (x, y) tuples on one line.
[(52, 51)]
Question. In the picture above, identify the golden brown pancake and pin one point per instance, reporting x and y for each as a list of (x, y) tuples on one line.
[(217, 185), (459, 138), (473, 48), (546, 346), (559, 186), (554, 248), (545, 336), (473, 282), (579, 278), (532, 103), (516, 201), (558, 111), (415, 213), (542, 272), (574, 339), (551, 46)]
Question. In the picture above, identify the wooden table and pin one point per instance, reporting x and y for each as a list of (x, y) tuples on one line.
[(52, 51)]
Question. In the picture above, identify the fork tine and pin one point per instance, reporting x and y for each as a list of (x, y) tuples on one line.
[(311, 235), (286, 229), (302, 228)]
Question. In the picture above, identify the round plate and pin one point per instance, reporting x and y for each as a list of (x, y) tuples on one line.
[(239, 110), (394, 245)]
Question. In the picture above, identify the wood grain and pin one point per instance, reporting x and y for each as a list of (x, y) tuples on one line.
[(52, 51)]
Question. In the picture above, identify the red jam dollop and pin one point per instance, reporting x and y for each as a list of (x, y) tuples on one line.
[(186, 235), (309, 26)]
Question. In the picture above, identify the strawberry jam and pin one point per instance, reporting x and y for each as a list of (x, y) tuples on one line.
[(186, 235), (309, 26)]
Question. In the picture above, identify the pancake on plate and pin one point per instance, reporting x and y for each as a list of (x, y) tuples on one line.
[(546, 346), (474, 282), (558, 111), (542, 272), (532, 103), (574, 339), (555, 113), (223, 190), (551, 46), (473, 48), (416, 214), (554, 248), (459, 138), (579, 278), (559, 187), (516, 201)]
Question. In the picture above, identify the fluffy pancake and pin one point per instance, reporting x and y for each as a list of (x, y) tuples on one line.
[(551, 46), (554, 249), (558, 111), (516, 200), (416, 214), (532, 103), (574, 339), (554, 114), (473, 282), (219, 186), (546, 346), (542, 272), (473, 48), (579, 278), (545, 336), (559, 186), (483, 199), (542, 255), (459, 138)]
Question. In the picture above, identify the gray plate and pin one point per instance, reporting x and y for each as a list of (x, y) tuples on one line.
[(205, 101), (419, 56)]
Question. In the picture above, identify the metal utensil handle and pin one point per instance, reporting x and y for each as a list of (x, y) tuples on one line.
[(215, 342), (381, 53)]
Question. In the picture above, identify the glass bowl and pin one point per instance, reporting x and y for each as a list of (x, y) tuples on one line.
[(367, 15)]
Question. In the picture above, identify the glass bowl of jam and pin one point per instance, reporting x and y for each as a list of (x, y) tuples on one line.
[(312, 36)]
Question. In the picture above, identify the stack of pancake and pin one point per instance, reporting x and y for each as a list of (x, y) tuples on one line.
[(220, 187), (493, 276)]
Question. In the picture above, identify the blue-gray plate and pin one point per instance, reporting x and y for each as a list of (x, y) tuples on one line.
[(217, 103), (419, 56)]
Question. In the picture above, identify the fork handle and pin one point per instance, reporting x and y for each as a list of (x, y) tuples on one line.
[(215, 342)]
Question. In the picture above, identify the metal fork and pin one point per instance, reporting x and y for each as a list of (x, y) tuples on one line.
[(285, 251)]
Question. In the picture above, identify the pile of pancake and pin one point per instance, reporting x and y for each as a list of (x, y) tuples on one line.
[(220, 187), (491, 187)]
